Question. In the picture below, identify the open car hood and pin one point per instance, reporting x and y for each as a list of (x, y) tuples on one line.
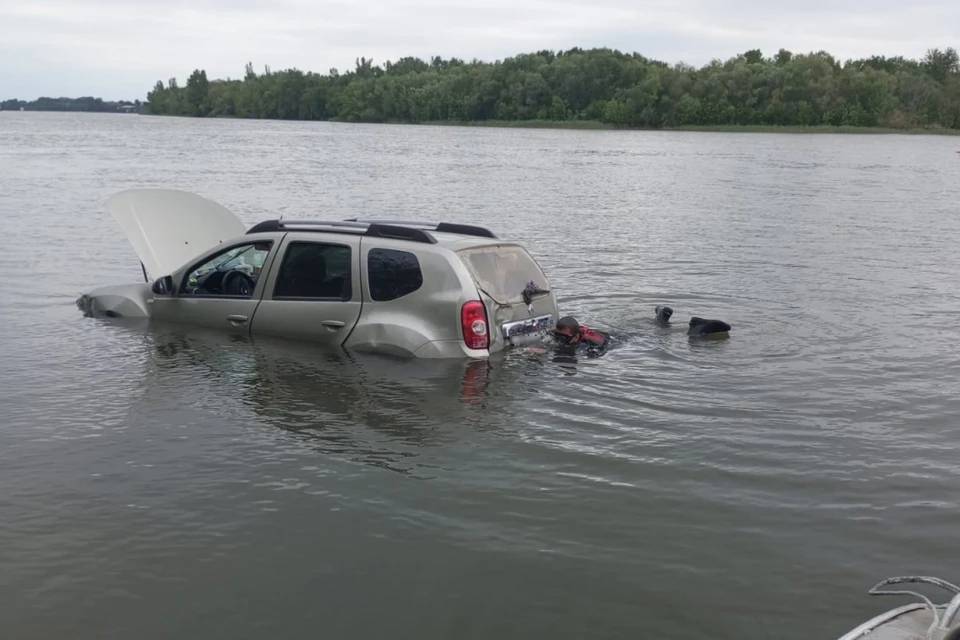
[(168, 227)]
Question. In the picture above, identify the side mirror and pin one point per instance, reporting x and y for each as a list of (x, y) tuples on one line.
[(163, 286)]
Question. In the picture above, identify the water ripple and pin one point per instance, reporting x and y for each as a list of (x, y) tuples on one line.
[(685, 487)]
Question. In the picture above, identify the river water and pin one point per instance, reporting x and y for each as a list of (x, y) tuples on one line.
[(160, 482)]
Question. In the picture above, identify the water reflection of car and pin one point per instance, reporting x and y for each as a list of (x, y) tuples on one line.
[(368, 408), (427, 290)]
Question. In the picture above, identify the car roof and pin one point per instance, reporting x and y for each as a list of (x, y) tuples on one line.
[(452, 236)]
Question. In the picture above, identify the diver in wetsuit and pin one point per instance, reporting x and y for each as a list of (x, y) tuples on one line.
[(570, 337), (570, 333)]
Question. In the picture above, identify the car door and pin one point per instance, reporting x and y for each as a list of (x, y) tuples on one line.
[(313, 289), (220, 290)]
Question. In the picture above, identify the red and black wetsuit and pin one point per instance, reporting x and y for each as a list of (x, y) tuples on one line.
[(594, 342), (586, 335)]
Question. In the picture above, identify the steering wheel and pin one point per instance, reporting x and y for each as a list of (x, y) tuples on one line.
[(237, 283)]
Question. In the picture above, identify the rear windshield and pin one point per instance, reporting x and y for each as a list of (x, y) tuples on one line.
[(503, 271)]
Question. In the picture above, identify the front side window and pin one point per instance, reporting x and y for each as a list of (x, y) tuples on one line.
[(392, 274), (232, 273), (315, 270)]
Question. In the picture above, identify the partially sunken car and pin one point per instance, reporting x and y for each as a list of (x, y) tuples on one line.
[(426, 290)]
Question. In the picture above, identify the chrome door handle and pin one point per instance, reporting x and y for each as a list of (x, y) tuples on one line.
[(333, 324), (237, 320)]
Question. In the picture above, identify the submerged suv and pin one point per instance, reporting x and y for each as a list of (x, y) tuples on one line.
[(428, 290)]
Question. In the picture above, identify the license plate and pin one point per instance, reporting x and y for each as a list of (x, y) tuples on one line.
[(523, 328)]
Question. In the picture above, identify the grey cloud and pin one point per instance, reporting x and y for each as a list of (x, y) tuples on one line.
[(120, 48)]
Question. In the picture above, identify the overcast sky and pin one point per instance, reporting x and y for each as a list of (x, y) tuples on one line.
[(118, 49)]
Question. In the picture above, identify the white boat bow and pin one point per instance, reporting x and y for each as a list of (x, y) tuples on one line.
[(917, 621)]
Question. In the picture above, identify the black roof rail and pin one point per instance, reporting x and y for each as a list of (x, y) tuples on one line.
[(442, 227), (377, 229), (382, 230), (466, 229)]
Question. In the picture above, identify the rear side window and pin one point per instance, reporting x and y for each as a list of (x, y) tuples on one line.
[(392, 274), (314, 270), (503, 271)]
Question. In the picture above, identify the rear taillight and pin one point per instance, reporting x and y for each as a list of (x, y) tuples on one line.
[(473, 319)]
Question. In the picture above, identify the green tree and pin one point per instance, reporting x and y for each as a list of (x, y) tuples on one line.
[(941, 64), (754, 56), (601, 84), (196, 93)]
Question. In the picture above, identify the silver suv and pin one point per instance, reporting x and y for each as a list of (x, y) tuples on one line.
[(427, 290)]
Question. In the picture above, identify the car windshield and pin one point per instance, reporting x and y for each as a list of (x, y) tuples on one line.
[(503, 271), (233, 258)]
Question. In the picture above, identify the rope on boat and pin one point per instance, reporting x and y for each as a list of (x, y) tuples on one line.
[(948, 615)]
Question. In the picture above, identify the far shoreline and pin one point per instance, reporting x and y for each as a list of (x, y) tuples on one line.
[(595, 125), (732, 128), (584, 125)]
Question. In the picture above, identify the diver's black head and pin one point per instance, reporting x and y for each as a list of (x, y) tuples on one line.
[(663, 313), (566, 328)]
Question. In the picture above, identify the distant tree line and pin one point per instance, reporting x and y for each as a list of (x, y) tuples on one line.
[(600, 85), (71, 104)]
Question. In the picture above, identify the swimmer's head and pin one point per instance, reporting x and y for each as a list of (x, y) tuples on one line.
[(566, 328)]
